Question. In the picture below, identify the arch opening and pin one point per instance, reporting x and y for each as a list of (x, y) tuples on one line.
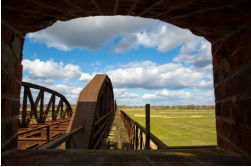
[(148, 61), (225, 24)]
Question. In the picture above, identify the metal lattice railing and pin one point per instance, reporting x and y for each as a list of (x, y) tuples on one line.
[(39, 112), (137, 134)]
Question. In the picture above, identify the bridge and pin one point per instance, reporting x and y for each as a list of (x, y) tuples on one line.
[(96, 132)]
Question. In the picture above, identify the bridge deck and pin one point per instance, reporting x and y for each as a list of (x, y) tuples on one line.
[(36, 135), (199, 156), (117, 138)]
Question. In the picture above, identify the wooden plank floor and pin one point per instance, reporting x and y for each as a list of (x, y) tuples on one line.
[(198, 156)]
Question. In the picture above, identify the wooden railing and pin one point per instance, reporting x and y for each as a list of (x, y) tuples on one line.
[(60, 111), (137, 134)]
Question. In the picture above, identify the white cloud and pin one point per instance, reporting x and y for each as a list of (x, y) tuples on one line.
[(164, 97), (46, 71), (96, 32), (85, 77), (165, 37), (167, 97), (143, 75), (41, 81), (123, 97), (148, 75), (122, 93), (91, 32), (202, 57), (50, 69)]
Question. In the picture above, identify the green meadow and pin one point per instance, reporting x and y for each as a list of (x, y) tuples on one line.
[(179, 127)]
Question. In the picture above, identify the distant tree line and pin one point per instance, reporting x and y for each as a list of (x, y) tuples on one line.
[(185, 107)]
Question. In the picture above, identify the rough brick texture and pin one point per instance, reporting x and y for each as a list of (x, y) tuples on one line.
[(226, 24), (232, 81), (11, 76)]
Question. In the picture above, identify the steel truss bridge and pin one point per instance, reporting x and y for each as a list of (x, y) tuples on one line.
[(55, 125), (95, 132)]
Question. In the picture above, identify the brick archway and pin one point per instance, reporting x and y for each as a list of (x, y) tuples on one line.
[(226, 24)]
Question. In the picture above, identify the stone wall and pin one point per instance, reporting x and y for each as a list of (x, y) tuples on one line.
[(226, 24)]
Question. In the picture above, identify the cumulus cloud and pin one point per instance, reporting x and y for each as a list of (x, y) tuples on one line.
[(166, 37), (167, 97), (123, 97), (50, 69), (149, 75), (122, 93), (85, 77), (163, 37), (96, 32), (91, 32), (164, 97), (202, 57), (38, 80), (45, 71)]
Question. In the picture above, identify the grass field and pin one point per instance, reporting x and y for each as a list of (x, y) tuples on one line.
[(179, 127)]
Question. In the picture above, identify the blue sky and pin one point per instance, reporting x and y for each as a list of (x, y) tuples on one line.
[(148, 61)]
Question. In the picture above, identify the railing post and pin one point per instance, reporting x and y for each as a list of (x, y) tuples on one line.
[(68, 143), (147, 108), (48, 133), (137, 138), (141, 140)]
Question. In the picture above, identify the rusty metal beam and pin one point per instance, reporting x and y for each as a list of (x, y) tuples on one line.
[(95, 111)]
